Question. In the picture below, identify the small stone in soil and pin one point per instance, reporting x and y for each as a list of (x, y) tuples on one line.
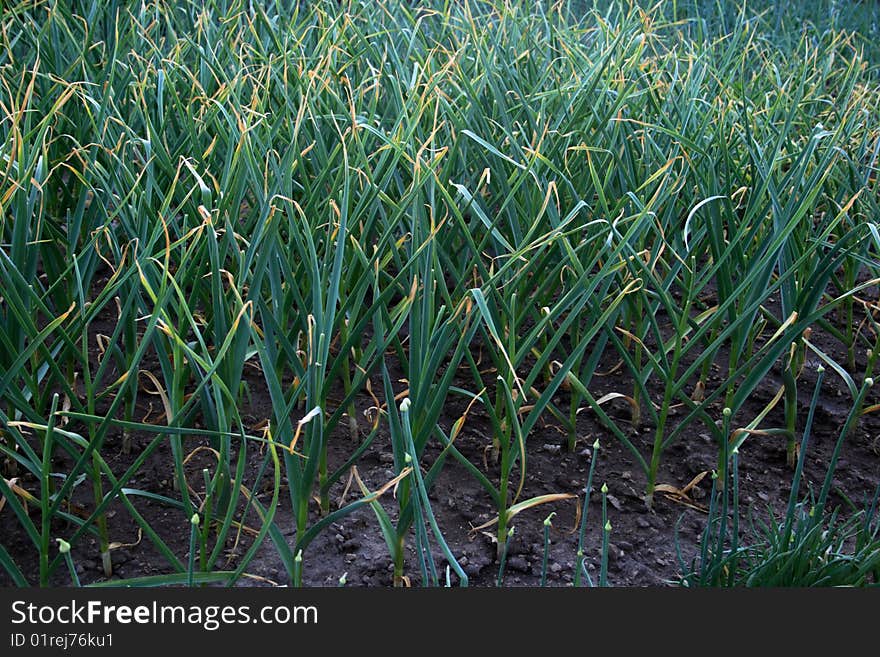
[(564, 482), (637, 573), (518, 564), (473, 569), (614, 553), (556, 567), (551, 448), (643, 523)]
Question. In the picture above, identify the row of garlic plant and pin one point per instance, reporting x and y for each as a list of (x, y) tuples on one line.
[(495, 200)]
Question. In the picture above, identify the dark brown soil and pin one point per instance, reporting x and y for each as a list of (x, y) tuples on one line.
[(644, 544)]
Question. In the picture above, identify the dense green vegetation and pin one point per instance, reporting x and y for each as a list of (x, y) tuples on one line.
[(477, 205)]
